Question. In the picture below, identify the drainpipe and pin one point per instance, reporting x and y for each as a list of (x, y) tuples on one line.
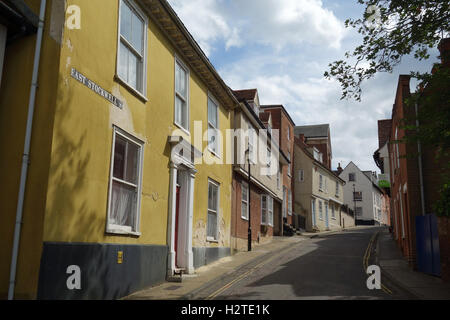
[(419, 149), (26, 152)]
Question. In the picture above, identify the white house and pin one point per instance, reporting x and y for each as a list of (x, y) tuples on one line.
[(362, 194)]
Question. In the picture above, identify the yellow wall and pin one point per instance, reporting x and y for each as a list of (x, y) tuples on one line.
[(67, 190), (14, 95), (82, 140)]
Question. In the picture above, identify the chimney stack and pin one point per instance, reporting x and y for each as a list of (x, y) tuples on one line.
[(339, 169)]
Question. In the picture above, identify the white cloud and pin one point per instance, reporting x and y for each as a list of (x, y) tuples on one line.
[(315, 100), (282, 48), (273, 23)]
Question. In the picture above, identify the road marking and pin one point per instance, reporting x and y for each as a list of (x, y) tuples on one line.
[(366, 261), (259, 265)]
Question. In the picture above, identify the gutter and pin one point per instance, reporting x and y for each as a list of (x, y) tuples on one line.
[(26, 152)]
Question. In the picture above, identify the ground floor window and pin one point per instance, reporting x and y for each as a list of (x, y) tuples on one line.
[(213, 210), (266, 210), (320, 210), (125, 183), (244, 200)]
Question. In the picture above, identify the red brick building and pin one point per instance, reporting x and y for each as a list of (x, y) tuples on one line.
[(284, 123), (256, 198), (415, 179), (318, 136)]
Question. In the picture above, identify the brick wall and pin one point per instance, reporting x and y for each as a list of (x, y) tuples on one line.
[(239, 226), (281, 121)]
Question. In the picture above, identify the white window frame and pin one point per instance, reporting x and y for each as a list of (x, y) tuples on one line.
[(320, 210), (246, 201), (211, 127), (251, 133), (288, 134), (333, 213), (137, 10), (337, 189), (269, 158), (264, 210), (216, 237), (321, 182), (186, 99), (118, 229), (268, 210)]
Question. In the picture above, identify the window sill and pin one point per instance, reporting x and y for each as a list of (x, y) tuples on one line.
[(244, 218), (122, 232), (135, 92), (182, 129), (214, 153), (209, 239)]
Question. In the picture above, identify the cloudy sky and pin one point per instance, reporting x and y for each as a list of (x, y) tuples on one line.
[(282, 48)]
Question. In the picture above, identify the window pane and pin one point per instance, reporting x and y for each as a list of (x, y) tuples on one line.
[(125, 21), (244, 193), (131, 170), (123, 62), (212, 225), (123, 205), (132, 70), (181, 112), (212, 113), (212, 197), (212, 138), (119, 158), (137, 36), (244, 210), (180, 85)]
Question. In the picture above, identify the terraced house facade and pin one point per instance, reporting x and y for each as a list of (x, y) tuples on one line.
[(122, 182), (319, 193)]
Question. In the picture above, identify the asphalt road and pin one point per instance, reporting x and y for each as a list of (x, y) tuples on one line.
[(326, 267)]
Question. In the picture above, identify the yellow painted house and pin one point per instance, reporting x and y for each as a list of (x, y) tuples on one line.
[(120, 191)]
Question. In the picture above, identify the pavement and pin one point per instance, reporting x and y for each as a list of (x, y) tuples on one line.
[(218, 272), (396, 270)]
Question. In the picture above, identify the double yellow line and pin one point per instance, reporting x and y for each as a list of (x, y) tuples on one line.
[(367, 257), (242, 276)]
